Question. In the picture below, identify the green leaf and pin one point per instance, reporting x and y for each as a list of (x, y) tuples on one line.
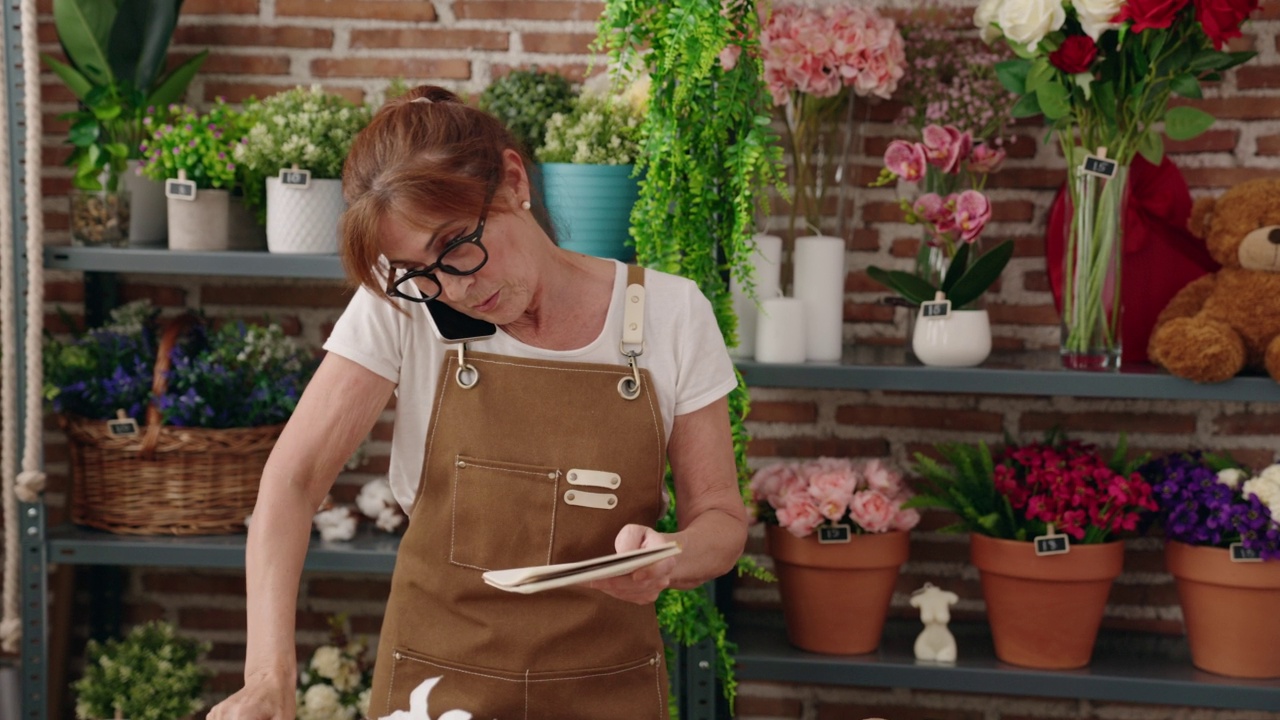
[(83, 27), (958, 265), (139, 40), (982, 273), (1013, 75), (1185, 122), (1027, 106), (1041, 73), (174, 85), (905, 284), (1054, 99), (75, 81), (1186, 85), (1237, 58), (1151, 146), (84, 132)]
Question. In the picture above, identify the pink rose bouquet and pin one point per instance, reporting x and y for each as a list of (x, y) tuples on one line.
[(814, 60), (867, 496), (952, 222)]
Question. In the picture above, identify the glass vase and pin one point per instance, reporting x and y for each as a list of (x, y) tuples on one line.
[(99, 218), (1092, 251), (820, 136)]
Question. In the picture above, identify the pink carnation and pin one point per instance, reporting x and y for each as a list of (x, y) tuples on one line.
[(799, 516), (883, 478), (905, 519), (872, 510)]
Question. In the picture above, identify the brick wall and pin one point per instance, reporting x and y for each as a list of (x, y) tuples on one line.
[(357, 46)]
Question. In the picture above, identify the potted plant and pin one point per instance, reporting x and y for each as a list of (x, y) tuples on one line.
[(116, 56), (1044, 520), (170, 422), (292, 155), (951, 329), (1222, 546), (837, 531), (587, 163), (524, 99), (153, 673), (206, 204)]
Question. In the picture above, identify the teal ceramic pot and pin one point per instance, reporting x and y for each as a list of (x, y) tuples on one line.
[(590, 206)]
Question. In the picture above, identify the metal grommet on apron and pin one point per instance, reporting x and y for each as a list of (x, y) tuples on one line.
[(542, 463)]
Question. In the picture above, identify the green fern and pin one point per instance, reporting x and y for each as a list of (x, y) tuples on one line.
[(709, 159)]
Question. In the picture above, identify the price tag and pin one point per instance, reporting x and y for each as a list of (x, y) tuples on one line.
[(180, 189), (123, 427), (1240, 553), (832, 534), (935, 309), (1098, 166), (1052, 543), (295, 178)]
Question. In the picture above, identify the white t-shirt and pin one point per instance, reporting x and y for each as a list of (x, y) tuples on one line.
[(684, 352)]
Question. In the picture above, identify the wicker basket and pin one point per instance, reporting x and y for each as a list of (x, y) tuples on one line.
[(165, 480)]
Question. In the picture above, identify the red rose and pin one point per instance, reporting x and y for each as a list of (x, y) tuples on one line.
[(1221, 19), (1075, 55), (1150, 13)]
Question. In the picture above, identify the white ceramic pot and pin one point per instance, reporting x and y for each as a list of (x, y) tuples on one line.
[(304, 220), (148, 207), (960, 339)]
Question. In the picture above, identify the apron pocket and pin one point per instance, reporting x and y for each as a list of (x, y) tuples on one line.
[(504, 514), (634, 690)]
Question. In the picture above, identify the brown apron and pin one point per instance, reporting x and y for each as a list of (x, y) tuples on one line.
[(502, 487)]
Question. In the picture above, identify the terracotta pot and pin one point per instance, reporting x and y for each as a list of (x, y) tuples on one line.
[(1045, 610), (835, 596), (1229, 609)]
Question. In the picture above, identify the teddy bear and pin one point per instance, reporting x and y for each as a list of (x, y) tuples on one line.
[(1228, 321)]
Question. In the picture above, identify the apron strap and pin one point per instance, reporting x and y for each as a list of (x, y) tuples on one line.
[(632, 343)]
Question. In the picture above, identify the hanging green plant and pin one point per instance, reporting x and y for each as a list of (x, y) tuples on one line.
[(708, 160)]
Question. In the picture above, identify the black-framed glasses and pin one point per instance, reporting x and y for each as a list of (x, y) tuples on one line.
[(461, 256)]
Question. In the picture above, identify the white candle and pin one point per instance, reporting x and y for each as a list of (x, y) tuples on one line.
[(819, 282), (780, 331), (766, 263)]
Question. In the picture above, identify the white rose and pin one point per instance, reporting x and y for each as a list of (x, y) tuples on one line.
[(1095, 16), (362, 704), (320, 702), (327, 662), (985, 17), (1231, 477), (1028, 21), (348, 676)]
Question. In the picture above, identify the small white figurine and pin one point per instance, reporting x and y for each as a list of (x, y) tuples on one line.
[(935, 642), (418, 709)]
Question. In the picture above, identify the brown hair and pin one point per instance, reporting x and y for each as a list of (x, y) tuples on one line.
[(423, 152)]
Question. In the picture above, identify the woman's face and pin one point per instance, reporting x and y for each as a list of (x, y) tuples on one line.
[(499, 291)]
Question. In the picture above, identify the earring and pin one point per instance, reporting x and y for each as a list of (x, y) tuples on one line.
[(525, 204)]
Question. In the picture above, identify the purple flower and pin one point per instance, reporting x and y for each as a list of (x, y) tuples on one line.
[(1197, 509)]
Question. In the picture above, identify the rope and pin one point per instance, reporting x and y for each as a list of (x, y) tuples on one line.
[(8, 382), (32, 477)]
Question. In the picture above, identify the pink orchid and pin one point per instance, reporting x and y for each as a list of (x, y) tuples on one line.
[(938, 212), (946, 147), (986, 159), (972, 211), (906, 160)]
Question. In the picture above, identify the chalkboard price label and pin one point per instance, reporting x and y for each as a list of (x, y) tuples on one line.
[(832, 534), (180, 189), (1240, 553), (295, 178), (1057, 544), (935, 309), (123, 427), (1098, 166)]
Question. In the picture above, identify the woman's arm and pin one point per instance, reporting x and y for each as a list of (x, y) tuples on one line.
[(709, 510), (335, 413)]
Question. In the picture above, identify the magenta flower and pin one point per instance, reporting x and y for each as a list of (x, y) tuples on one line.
[(972, 211), (906, 160), (986, 159), (946, 147)]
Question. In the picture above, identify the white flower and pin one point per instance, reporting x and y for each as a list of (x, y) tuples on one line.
[(985, 17), (337, 523), (375, 496), (1271, 474), (362, 704), (1231, 477), (1267, 487), (322, 702), (1095, 16), (1028, 21), (418, 705), (327, 662), (348, 676)]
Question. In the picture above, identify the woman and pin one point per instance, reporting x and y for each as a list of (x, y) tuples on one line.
[(543, 444)]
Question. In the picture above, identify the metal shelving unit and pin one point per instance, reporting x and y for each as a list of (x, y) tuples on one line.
[(1128, 667)]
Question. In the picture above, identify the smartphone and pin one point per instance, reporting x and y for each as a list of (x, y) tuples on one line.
[(453, 327)]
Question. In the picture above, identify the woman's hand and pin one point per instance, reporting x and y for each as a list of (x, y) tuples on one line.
[(643, 585), (259, 699)]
